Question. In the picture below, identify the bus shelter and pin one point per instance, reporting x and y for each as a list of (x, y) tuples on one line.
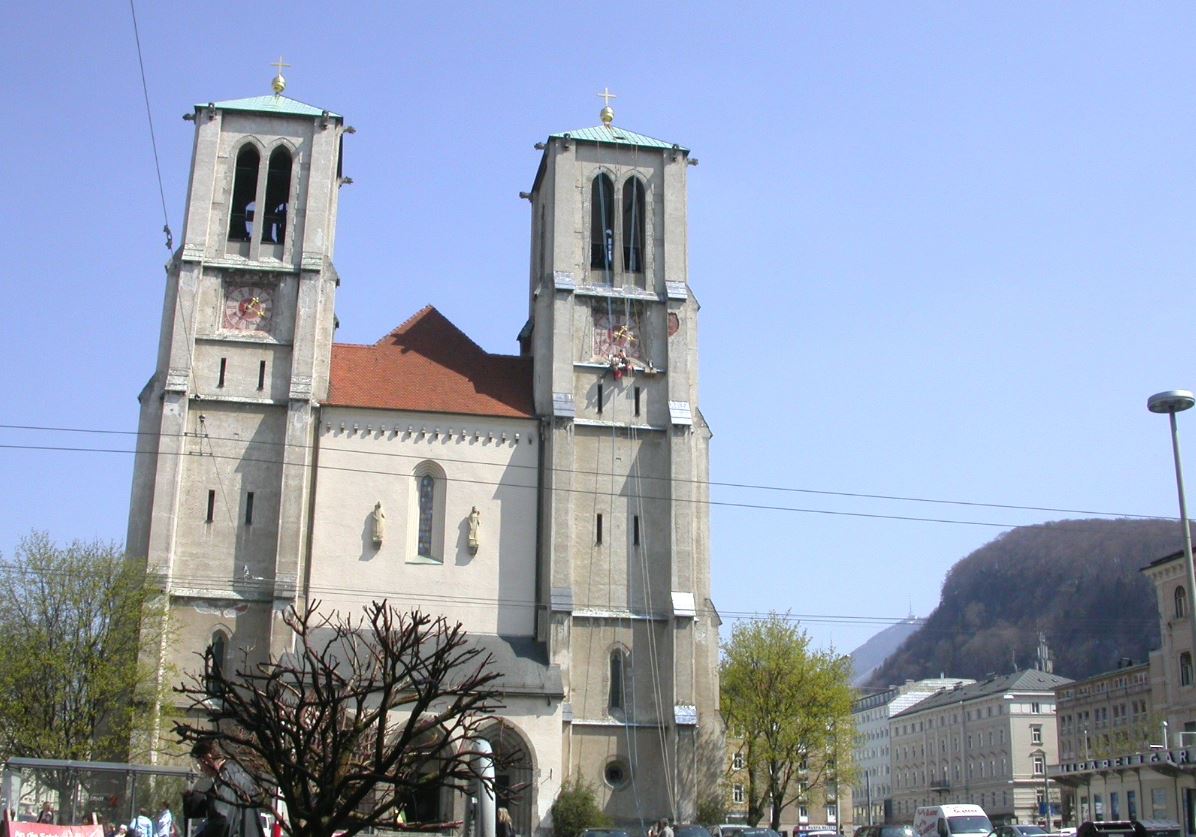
[(91, 791)]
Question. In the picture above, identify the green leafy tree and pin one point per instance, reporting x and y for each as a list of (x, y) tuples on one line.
[(71, 683), (789, 706), (576, 809), (712, 808)]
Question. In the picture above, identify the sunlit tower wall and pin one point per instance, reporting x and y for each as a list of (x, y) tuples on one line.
[(222, 479), (624, 580)]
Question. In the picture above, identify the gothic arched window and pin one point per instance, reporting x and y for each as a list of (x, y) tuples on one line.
[(278, 193), (427, 514), (217, 651), (602, 223), (617, 700), (426, 539), (633, 225), (1181, 602), (1185, 669), (240, 218)]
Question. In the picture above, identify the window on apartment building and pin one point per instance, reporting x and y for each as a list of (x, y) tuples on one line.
[(737, 794), (1181, 602), (1036, 735), (1131, 804), (1039, 765), (737, 761), (1185, 669), (1114, 805)]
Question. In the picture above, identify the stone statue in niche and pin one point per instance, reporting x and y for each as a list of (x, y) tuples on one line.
[(379, 523), (475, 523)]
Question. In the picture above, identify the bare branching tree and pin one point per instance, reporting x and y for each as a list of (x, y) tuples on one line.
[(363, 715)]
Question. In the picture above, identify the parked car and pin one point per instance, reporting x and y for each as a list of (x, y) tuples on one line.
[(604, 832), (691, 830), (1020, 831), (885, 831)]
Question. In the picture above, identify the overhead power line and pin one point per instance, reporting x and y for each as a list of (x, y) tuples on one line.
[(582, 472)]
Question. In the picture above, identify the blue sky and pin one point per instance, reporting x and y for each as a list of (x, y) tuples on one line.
[(943, 251)]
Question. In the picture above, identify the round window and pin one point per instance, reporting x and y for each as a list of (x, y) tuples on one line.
[(615, 773)]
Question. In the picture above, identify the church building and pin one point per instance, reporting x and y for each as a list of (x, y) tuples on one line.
[(554, 501)]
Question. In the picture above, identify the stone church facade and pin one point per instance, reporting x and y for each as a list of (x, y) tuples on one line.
[(554, 501)]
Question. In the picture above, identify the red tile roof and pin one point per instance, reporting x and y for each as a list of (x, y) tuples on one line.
[(428, 364)]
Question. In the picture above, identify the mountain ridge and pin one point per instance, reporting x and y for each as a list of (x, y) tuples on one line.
[(1075, 582)]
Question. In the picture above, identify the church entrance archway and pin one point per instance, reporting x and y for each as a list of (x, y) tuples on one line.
[(514, 788)]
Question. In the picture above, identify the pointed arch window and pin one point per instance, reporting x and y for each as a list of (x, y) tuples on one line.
[(602, 223), (426, 507), (633, 225), (617, 700), (278, 194), (217, 653), (1181, 602), (427, 513), (240, 219)]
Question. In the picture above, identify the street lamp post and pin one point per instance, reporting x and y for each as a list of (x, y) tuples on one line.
[(1171, 402)]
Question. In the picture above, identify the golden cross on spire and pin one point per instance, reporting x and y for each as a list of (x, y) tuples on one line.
[(608, 113), (279, 83)]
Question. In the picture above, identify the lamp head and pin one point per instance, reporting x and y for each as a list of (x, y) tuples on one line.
[(1171, 401)]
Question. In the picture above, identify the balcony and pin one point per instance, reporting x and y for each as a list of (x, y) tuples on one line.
[(940, 785)]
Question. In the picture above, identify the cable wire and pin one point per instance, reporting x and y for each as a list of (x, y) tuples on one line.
[(153, 139)]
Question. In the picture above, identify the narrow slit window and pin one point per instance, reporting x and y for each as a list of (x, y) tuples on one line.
[(261, 375), (633, 225), (249, 508), (278, 193), (635, 530), (600, 397), (211, 515), (240, 219), (637, 401), (223, 369), (598, 528), (602, 223), (427, 496), (217, 652), (616, 697)]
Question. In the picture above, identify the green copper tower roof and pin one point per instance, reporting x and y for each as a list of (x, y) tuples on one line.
[(612, 134), (271, 104)]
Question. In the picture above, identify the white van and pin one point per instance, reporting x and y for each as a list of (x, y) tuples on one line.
[(951, 820)]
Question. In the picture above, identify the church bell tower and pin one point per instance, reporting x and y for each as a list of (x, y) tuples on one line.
[(222, 479), (624, 551)]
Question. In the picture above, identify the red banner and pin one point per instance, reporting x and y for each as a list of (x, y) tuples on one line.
[(37, 829)]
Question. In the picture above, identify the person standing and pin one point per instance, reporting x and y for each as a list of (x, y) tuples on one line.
[(142, 825), (505, 828), (164, 822), (46, 814), (231, 804)]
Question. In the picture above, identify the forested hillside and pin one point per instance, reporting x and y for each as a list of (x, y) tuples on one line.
[(1076, 581)]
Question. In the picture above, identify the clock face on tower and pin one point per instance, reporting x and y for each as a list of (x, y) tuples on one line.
[(248, 307)]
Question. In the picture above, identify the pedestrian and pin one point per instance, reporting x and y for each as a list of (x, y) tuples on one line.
[(164, 822), (231, 804), (142, 825), (46, 815), (666, 830), (504, 827), (652, 829)]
